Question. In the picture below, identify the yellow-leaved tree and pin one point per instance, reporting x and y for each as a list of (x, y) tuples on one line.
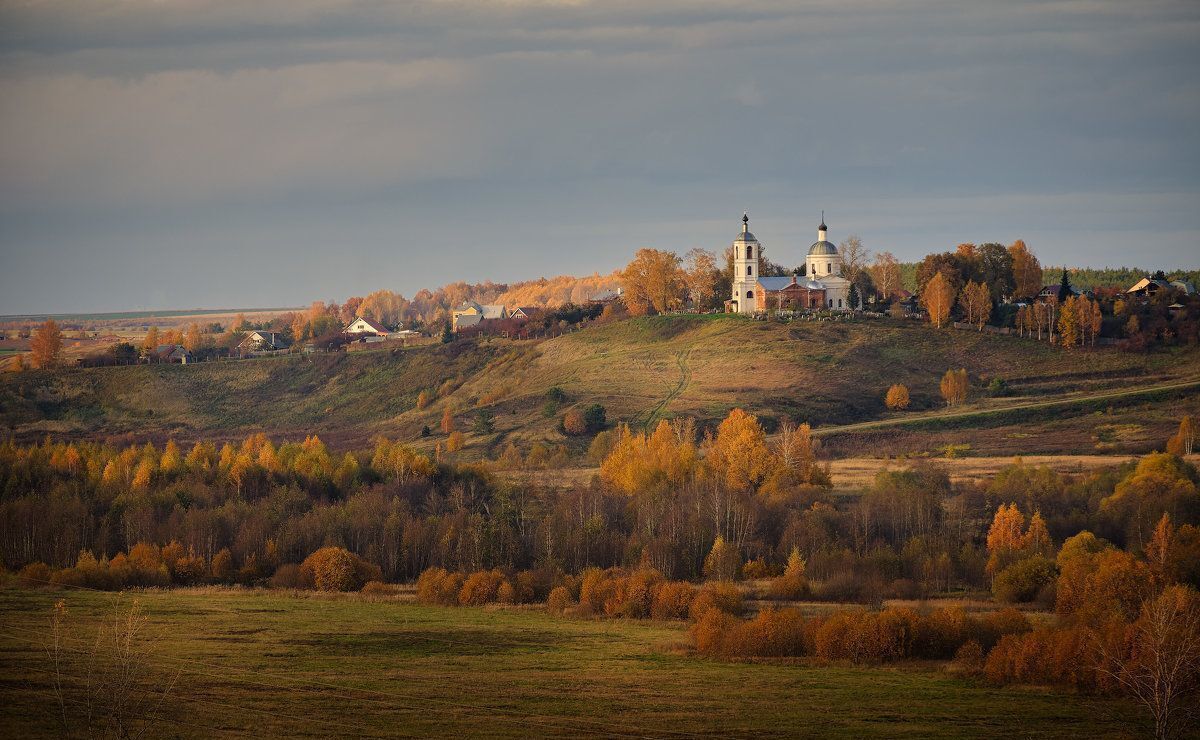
[(937, 298), (46, 345), (897, 397)]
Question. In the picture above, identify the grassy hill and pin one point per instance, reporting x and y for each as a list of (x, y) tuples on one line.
[(827, 373)]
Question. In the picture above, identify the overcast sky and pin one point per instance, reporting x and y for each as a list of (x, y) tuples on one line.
[(158, 154)]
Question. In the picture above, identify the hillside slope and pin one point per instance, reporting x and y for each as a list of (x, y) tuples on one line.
[(641, 370)]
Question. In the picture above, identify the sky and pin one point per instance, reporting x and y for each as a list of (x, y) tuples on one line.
[(203, 154)]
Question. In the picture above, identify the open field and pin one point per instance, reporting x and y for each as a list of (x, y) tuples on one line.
[(830, 374), (855, 474), (273, 664)]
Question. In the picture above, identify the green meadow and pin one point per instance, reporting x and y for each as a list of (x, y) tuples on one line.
[(280, 664)]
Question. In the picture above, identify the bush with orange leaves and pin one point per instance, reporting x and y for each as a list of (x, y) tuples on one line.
[(1061, 655), (720, 595), (481, 587), (559, 600), (672, 600), (439, 586), (855, 636), (337, 569)]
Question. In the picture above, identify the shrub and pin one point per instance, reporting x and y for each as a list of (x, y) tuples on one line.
[(672, 600), (289, 575), (594, 417), (754, 569), (338, 569), (35, 575), (793, 584), (632, 594), (481, 587), (993, 626), (723, 596), (507, 593), (595, 589), (439, 586), (559, 600), (1024, 580), (710, 631), (969, 658), (774, 633), (379, 588), (573, 423), (454, 442)]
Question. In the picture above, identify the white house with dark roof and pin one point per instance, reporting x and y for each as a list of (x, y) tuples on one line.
[(363, 327), (263, 341)]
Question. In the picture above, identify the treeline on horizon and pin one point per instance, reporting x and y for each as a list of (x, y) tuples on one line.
[(663, 499)]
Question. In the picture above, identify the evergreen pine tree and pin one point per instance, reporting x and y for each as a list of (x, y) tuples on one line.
[(1064, 288)]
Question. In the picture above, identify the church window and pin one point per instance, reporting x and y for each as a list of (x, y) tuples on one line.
[(828, 267), (749, 293), (749, 252), (839, 303), (749, 270)]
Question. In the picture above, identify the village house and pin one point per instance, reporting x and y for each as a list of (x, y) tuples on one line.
[(363, 328), (262, 341), (524, 313), (1149, 286), (471, 313), (170, 353), (606, 296)]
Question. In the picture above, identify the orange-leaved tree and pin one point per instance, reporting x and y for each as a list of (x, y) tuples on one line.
[(653, 280), (954, 387), (46, 345), (897, 397), (937, 298)]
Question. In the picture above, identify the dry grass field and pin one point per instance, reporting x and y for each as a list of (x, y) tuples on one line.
[(273, 664)]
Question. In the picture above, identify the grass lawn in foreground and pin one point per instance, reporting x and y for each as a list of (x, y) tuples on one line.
[(276, 664)]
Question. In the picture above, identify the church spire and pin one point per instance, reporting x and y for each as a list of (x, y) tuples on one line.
[(745, 222), (822, 228)]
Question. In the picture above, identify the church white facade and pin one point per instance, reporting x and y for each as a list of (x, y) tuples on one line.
[(822, 267)]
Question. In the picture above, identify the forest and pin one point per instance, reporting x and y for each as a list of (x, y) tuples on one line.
[(662, 499)]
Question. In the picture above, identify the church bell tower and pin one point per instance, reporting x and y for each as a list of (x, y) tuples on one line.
[(745, 270)]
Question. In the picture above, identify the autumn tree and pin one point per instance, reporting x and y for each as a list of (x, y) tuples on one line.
[(723, 562), (976, 303), (885, 273), (1005, 537), (1160, 667), (937, 298), (701, 276), (996, 269), (46, 345), (1068, 323), (447, 419), (1027, 271), (151, 341), (954, 387), (855, 257), (1184, 440), (897, 397), (653, 281)]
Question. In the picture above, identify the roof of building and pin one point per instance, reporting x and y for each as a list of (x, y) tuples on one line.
[(371, 324), (744, 235), (822, 248), (780, 283), (1183, 285), (272, 339)]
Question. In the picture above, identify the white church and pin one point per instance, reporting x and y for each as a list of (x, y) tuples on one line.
[(822, 286)]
